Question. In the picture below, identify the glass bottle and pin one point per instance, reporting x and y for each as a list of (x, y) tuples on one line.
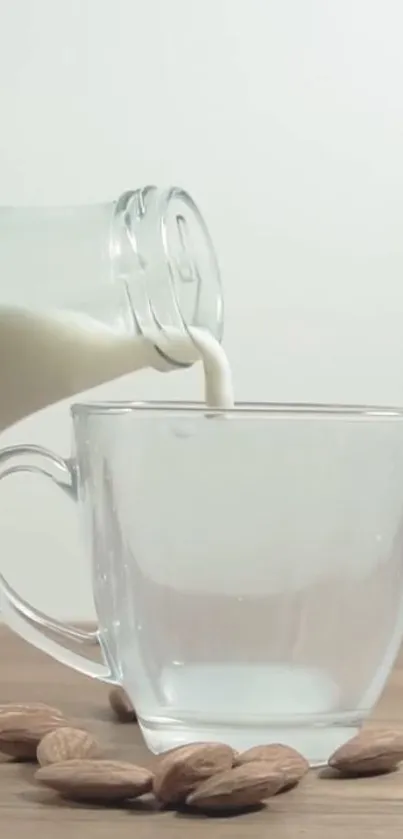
[(139, 265)]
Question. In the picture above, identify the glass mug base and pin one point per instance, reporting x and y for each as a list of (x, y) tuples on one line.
[(316, 741), (245, 705)]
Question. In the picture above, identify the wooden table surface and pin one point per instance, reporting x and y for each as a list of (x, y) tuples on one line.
[(319, 808)]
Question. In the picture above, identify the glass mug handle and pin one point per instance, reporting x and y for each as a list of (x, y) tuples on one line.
[(34, 626)]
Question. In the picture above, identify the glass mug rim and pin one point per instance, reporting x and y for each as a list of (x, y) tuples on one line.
[(241, 410)]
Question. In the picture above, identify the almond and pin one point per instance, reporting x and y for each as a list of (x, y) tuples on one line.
[(96, 780), (29, 707), (182, 769), (371, 752), (67, 744), (22, 727), (290, 762), (238, 788), (121, 705)]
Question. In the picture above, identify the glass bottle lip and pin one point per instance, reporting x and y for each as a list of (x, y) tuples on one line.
[(162, 249), (203, 282)]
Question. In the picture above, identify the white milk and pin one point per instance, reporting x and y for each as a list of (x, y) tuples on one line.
[(199, 345), (51, 356)]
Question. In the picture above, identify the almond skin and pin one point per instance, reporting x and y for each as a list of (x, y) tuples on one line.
[(287, 760), (23, 727), (371, 752), (182, 769), (67, 744), (108, 781), (237, 789), (121, 705)]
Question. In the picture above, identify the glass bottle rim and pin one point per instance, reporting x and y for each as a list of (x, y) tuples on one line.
[(162, 250)]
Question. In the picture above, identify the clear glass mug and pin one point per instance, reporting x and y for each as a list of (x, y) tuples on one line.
[(247, 566)]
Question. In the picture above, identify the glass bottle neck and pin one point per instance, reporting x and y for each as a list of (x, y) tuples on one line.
[(162, 253)]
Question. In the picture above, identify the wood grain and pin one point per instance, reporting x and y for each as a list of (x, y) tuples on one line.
[(320, 807)]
